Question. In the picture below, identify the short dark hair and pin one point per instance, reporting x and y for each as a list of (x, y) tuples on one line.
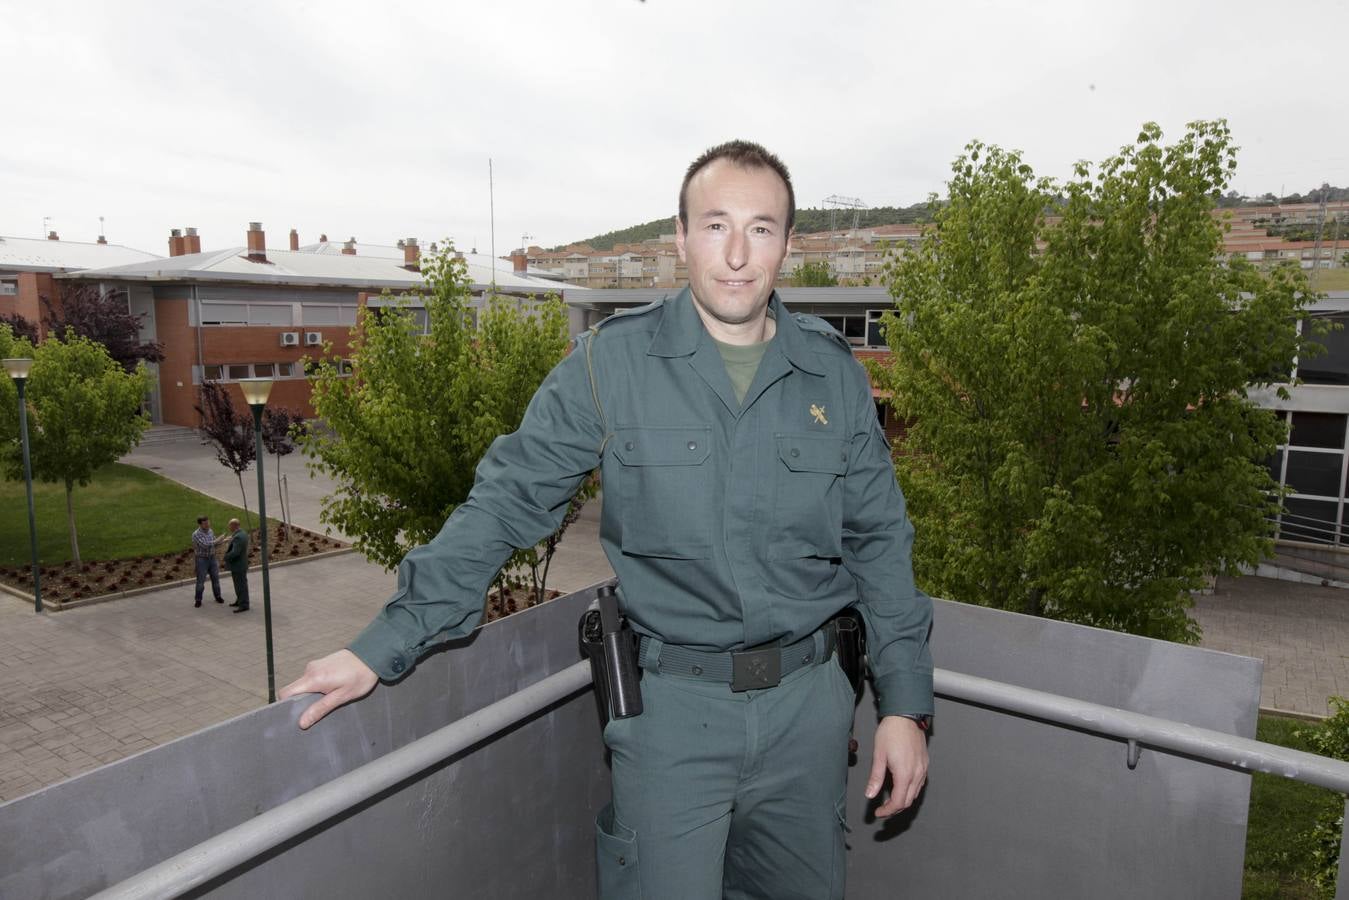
[(201, 519), (746, 154)]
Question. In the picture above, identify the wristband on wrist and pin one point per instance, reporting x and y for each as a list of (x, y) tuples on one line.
[(924, 722)]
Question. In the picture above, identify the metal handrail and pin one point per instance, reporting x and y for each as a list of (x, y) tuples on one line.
[(1205, 744), (236, 846)]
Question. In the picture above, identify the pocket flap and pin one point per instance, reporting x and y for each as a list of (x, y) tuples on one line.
[(809, 453), (685, 445)]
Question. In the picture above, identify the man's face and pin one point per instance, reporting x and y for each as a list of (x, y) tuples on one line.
[(234, 526), (205, 524), (735, 242)]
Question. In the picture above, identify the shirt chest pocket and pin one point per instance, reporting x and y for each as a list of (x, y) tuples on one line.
[(665, 487), (808, 502)]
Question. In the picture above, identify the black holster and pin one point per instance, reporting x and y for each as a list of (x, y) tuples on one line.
[(851, 645), (610, 644)]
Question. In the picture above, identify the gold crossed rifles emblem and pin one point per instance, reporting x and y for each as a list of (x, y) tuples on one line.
[(818, 413)]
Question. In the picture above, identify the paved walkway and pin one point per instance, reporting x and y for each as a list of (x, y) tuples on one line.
[(88, 686), (1301, 631)]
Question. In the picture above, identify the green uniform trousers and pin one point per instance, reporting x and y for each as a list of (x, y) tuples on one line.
[(718, 794), (240, 578)]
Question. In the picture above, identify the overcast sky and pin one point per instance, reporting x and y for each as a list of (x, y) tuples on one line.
[(377, 120)]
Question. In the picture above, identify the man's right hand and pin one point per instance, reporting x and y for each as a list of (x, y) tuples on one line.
[(341, 677)]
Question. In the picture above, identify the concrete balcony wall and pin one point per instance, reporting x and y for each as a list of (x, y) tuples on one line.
[(1014, 807)]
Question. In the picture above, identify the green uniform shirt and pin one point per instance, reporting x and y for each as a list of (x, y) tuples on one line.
[(236, 554), (729, 524)]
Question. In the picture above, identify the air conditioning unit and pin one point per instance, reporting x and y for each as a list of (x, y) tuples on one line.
[(313, 338), (290, 339)]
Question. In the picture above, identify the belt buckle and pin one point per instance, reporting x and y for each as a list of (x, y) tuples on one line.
[(753, 669)]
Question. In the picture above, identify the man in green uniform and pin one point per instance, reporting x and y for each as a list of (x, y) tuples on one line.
[(749, 495), (236, 558)]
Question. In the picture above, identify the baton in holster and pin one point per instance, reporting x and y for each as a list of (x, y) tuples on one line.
[(851, 646), (611, 646)]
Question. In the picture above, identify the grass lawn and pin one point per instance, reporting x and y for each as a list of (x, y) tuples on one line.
[(124, 512), (1282, 812)]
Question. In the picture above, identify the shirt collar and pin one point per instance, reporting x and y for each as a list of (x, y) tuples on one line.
[(681, 330)]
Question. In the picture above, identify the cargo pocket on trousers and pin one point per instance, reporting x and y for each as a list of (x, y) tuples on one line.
[(839, 876), (616, 858)]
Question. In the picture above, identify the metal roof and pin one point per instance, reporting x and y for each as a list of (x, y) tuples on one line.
[(42, 255), (306, 269)]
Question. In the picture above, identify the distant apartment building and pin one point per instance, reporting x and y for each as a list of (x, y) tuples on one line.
[(856, 257)]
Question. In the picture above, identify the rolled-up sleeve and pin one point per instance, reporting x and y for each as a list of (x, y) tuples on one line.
[(520, 495), (877, 551)]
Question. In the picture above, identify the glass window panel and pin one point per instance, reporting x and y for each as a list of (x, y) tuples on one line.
[(1315, 473), (1275, 465), (224, 314), (835, 322), (1318, 430), (880, 411), (854, 327), (285, 370), (346, 315), (263, 370), (211, 373), (1308, 520), (1331, 367), (238, 371), (269, 314), (314, 314)]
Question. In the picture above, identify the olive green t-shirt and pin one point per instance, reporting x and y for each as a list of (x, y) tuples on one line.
[(742, 361)]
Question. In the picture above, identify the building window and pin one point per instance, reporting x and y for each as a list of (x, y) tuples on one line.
[(1332, 366), (882, 412), (229, 372), (9, 288)]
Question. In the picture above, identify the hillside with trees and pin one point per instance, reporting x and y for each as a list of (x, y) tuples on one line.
[(811, 220), (807, 221)]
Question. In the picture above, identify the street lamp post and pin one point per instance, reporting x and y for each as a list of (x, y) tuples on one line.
[(255, 393), (18, 370)]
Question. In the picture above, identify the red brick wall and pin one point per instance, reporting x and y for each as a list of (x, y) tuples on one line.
[(225, 344), (31, 286)]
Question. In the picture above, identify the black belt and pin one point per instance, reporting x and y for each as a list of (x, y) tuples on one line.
[(750, 669)]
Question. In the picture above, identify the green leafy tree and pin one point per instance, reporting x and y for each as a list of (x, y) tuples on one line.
[(406, 429), (279, 429), (84, 411), (813, 274), (1082, 445), (229, 431)]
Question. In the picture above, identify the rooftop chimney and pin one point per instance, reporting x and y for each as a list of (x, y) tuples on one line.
[(51, 236), (102, 239), (323, 239), (411, 255), (519, 262), (349, 248), (294, 240), (191, 241), (177, 247), (257, 242)]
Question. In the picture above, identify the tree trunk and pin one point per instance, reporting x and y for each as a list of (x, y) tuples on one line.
[(280, 496), (70, 519), (248, 521)]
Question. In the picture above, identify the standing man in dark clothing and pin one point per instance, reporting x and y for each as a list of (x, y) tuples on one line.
[(203, 545), (749, 496), (236, 560)]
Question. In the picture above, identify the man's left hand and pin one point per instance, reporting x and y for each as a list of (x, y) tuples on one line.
[(901, 748)]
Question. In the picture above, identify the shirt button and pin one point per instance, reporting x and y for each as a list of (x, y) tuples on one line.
[(693, 445), (697, 670), (397, 665), (628, 446), (806, 658), (795, 452)]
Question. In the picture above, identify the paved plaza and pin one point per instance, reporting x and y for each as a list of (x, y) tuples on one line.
[(91, 685)]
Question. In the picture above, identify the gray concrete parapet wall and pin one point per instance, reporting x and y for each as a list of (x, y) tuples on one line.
[(1014, 807)]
